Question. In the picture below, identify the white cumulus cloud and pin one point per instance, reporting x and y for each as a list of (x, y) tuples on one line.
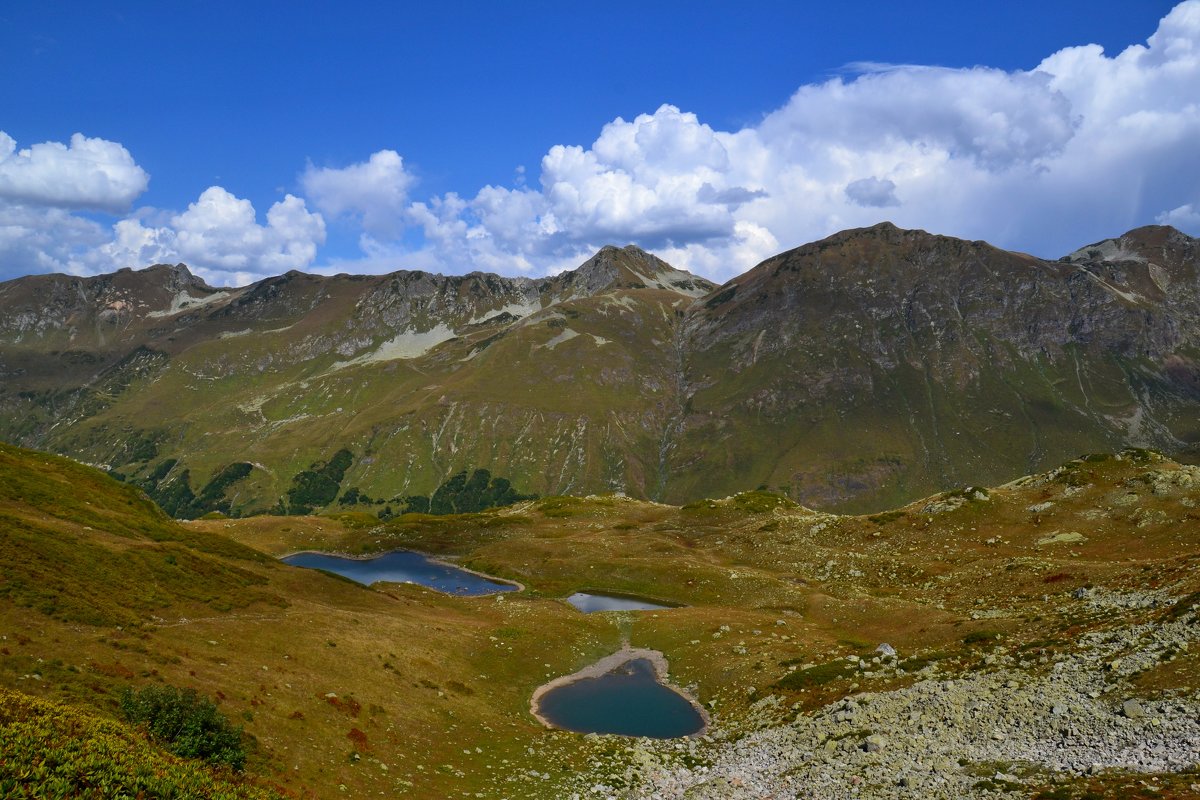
[(1185, 217), (86, 174), (219, 236), (219, 231), (1082, 146), (375, 191)]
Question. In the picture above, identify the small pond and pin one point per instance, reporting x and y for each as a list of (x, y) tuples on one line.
[(628, 700), (403, 566), (591, 602)]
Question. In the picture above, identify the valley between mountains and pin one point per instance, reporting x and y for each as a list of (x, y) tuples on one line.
[(922, 514)]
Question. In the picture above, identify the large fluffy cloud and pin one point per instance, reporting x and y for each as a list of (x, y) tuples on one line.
[(1083, 146), (375, 191), (219, 236), (42, 188), (86, 174)]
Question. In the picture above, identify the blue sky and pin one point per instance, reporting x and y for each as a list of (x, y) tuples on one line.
[(246, 139)]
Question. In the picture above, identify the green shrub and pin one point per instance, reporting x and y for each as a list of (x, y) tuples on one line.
[(468, 495), (185, 723), (818, 675), (175, 496), (50, 750), (1182, 606), (760, 502)]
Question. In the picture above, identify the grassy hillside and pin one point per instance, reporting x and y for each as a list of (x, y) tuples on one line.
[(53, 750), (404, 691)]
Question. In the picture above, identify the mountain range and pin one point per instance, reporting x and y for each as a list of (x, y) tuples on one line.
[(855, 373)]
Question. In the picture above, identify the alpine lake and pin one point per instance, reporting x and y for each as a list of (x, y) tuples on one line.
[(625, 694)]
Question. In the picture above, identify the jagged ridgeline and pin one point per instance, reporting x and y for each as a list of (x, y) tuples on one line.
[(856, 373)]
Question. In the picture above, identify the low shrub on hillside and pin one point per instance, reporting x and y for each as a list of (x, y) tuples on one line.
[(814, 676), (185, 723), (462, 493), (174, 494), (51, 750)]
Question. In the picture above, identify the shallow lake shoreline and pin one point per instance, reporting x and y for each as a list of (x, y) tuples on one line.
[(432, 559), (607, 665), (666, 605)]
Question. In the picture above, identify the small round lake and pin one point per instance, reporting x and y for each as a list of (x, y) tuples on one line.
[(403, 566), (591, 602), (628, 700)]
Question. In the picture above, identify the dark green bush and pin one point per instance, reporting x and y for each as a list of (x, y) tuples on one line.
[(467, 495), (175, 496), (51, 750), (354, 496), (318, 485), (185, 723), (814, 676)]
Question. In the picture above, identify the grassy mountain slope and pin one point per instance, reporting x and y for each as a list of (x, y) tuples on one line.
[(854, 373), (414, 373), (880, 364)]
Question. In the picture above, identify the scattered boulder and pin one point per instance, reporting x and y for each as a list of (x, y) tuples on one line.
[(874, 743), (1132, 709)]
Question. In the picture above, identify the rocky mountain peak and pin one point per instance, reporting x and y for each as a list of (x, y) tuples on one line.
[(1161, 244), (872, 365), (631, 267)]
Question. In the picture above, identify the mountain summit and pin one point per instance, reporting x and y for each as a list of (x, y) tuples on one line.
[(631, 267), (856, 372)]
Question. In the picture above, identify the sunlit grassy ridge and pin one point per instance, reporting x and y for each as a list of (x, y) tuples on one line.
[(81, 547)]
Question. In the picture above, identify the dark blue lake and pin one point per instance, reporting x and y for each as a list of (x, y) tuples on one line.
[(402, 566), (628, 701), (591, 602)]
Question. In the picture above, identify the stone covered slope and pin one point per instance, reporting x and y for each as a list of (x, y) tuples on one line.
[(1046, 637)]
